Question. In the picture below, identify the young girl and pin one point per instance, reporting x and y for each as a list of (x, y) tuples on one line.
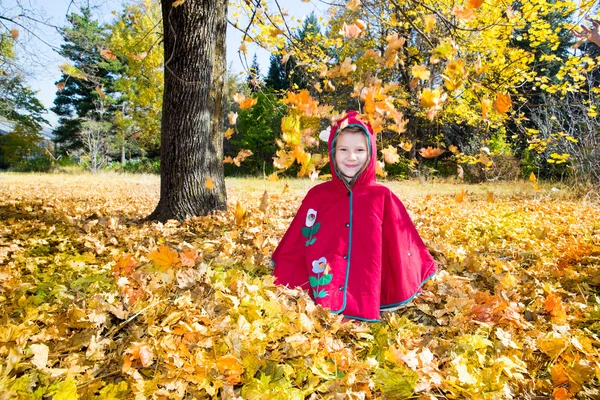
[(352, 244)]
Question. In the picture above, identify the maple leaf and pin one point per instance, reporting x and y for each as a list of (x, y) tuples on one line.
[(380, 169), (164, 257), (421, 72), (232, 117), (228, 160), (273, 177), (228, 133), (14, 33), (241, 156), (141, 352), (72, 71), (189, 257), (124, 267), (502, 103), (474, 3), (430, 23), (240, 214), (231, 368), (248, 103), (350, 31), (243, 48), (460, 196), (60, 86), (106, 53), (209, 183), (40, 355), (431, 152), (347, 67), (390, 155), (466, 14), (353, 5)]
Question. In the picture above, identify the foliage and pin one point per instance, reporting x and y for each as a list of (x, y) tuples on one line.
[(257, 129), (136, 166), (135, 40), (87, 82), (101, 304)]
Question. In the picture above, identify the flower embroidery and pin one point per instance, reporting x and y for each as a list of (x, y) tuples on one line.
[(319, 267), (311, 227), (311, 217)]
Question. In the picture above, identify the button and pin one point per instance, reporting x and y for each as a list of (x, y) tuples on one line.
[(341, 288), (345, 256), (347, 224), (349, 193), (409, 253)]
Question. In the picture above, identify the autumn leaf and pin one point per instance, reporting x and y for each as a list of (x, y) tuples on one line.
[(100, 92), (430, 23), (431, 152), (231, 368), (106, 53), (273, 177), (421, 72), (239, 214), (14, 33), (189, 257), (232, 117), (380, 169), (460, 196), (502, 103), (241, 156), (406, 146), (60, 86), (125, 266), (353, 5), (164, 257), (264, 202), (209, 183), (228, 133), (351, 31), (72, 71), (532, 178), (390, 155), (474, 3), (40, 355), (248, 103), (140, 352), (465, 14)]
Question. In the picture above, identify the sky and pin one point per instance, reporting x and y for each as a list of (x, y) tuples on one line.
[(40, 61)]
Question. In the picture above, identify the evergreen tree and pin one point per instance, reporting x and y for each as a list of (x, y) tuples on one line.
[(277, 78), (88, 94)]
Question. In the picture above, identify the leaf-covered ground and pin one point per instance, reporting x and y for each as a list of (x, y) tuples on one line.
[(98, 303)]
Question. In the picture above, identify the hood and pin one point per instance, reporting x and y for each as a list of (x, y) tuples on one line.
[(367, 175)]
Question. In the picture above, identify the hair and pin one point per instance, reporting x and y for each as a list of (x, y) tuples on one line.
[(352, 129)]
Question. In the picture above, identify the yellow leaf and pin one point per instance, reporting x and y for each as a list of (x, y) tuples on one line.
[(353, 5), (231, 368), (421, 72), (243, 48), (453, 149), (177, 3), (486, 104), (552, 344), (561, 394), (490, 197), (502, 103), (380, 169), (164, 257), (430, 22), (390, 155), (273, 177), (72, 71), (228, 133), (532, 178), (406, 146), (209, 183), (239, 214), (264, 202)]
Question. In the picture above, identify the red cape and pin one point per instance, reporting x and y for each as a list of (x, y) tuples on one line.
[(353, 246)]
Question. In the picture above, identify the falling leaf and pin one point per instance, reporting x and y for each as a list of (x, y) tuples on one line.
[(264, 202), (72, 71), (380, 169), (248, 103), (466, 14), (273, 177), (228, 133), (209, 183), (532, 178), (490, 197), (239, 214), (430, 23), (164, 257), (228, 160), (390, 155), (353, 5), (243, 48), (351, 31), (460, 172), (106, 53), (460, 196), (232, 117), (406, 146), (431, 152), (453, 149), (241, 156), (502, 103), (14, 33), (60, 86)]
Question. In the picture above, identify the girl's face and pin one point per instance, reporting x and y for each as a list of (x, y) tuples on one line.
[(351, 154)]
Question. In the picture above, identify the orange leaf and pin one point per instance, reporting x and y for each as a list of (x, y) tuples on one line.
[(466, 14), (188, 257), (141, 352), (60, 86), (532, 178), (209, 183), (124, 266), (231, 368), (502, 103), (474, 3), (559, 376), (490, 197), (353, 5), (247, 103), (164, 257), (460, 196), (14, 33), (228, 160), (273, 177), (239, 214), (561, 394), (241, 156), (430, 152), (107, 54)]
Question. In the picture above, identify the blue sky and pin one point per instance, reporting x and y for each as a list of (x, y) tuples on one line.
[(41, 64)]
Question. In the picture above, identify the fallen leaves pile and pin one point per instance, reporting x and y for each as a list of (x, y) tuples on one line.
[(98, 303)]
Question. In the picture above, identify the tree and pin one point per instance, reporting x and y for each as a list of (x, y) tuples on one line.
[(135, 40), (254, 80), (192, 178), (87, 81)]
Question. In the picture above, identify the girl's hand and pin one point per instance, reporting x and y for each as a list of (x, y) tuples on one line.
[(592, 34)]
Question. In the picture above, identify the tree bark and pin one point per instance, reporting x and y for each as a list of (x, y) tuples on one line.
[(191, 137)]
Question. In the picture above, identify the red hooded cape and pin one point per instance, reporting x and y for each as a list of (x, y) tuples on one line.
[(353, 247)]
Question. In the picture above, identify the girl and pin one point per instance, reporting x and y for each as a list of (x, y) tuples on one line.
[(352, 244)]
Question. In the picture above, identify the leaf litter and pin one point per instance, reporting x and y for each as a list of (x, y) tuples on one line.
[(98, 303)]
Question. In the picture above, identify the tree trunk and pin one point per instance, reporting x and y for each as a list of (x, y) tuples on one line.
[(191, 138)]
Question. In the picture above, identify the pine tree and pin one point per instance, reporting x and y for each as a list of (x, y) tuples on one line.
[(81, 97), (254, 79)]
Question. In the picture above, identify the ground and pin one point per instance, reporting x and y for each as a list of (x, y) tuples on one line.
[(99, 303)]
